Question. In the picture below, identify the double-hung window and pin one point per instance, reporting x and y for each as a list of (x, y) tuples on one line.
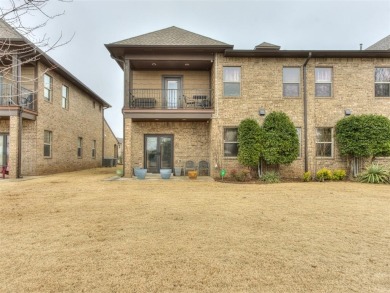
[(79, 147), (299, 133), (291, 81), (324, 142), (94, 149), (323, 78), (65, 97), (230, 143), (47, 87), (232, 81), (47, 142), (382, 82)]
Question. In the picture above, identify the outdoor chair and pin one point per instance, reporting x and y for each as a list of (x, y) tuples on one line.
[(188, 103), (203, 168), (189, 166)]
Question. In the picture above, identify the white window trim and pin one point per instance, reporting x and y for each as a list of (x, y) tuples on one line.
[(380, 82), (331, 142), (237, 82), (50, 144), (50, 90), (299, 83), (300, 141), (323, 82), (93, 149), (65, 98), (224, 141), (80, 146)]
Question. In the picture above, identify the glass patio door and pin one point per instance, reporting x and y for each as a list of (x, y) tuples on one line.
[(172, 90), (158, 152), (4, 149)]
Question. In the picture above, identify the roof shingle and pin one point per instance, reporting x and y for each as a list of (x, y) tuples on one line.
[(171, 36), (383, 44)]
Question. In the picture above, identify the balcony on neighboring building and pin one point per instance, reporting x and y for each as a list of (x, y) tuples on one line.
[(10, 101)]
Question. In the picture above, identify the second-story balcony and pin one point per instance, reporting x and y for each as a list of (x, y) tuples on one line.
[(10, 98), (170, 104)]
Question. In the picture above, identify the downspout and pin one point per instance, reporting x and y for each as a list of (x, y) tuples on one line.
[(103, 134), (20, 118), (306, 145)]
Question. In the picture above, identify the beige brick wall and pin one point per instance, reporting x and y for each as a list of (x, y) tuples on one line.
[(191, 141), (154, 79), (261, 87), (110, 142), (82, 119)]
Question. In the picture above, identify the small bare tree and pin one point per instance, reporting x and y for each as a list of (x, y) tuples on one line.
[(19, 47), (19, 44)]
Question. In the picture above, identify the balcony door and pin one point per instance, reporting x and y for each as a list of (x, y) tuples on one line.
[(172, 92), (158, 152)]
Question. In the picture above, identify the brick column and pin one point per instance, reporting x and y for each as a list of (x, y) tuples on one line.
[(14, 129), (128, 166), (216, 140)]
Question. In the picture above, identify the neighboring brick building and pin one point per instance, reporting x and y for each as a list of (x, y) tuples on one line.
[(49, 121), (185, 95), (111, 143)]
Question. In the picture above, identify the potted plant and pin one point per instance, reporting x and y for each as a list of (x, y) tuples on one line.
[(177, 171), (192, 174), (140, 173), (165, 173)]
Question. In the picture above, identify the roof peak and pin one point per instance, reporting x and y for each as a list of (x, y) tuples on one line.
[(267, 46), (383, 44), (171, 36)]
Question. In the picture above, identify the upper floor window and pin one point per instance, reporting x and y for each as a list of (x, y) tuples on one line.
[(65, 97), (382, 82), (291, 81), (79, 147), (323, 77), (232, 81), (324, 142), (47, 87), (47, 141), (230, 143)]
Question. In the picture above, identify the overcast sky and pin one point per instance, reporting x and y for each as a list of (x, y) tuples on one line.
[(293, 25)]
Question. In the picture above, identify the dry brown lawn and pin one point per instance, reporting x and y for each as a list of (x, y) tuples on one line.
[(77, 232)]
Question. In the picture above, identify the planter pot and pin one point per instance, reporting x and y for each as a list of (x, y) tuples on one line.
[(119, 172), (140, 173), (192, 174), (165, 173), (177, 171), (135, 168)]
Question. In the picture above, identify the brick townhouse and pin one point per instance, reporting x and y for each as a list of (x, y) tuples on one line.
[(185, 95), (49, 120)]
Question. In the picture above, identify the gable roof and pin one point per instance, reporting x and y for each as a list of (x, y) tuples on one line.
[(8, 33), (171, 36), (267, 46), (383, 44)]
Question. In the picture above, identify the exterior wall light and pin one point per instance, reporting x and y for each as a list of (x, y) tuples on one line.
[(347, 112), (262, 112)]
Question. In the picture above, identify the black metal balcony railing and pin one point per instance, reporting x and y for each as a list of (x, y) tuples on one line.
[(9, 98), (171, 99)]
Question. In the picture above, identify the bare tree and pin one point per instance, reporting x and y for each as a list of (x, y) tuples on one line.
[(21, 53), (13, 27)]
